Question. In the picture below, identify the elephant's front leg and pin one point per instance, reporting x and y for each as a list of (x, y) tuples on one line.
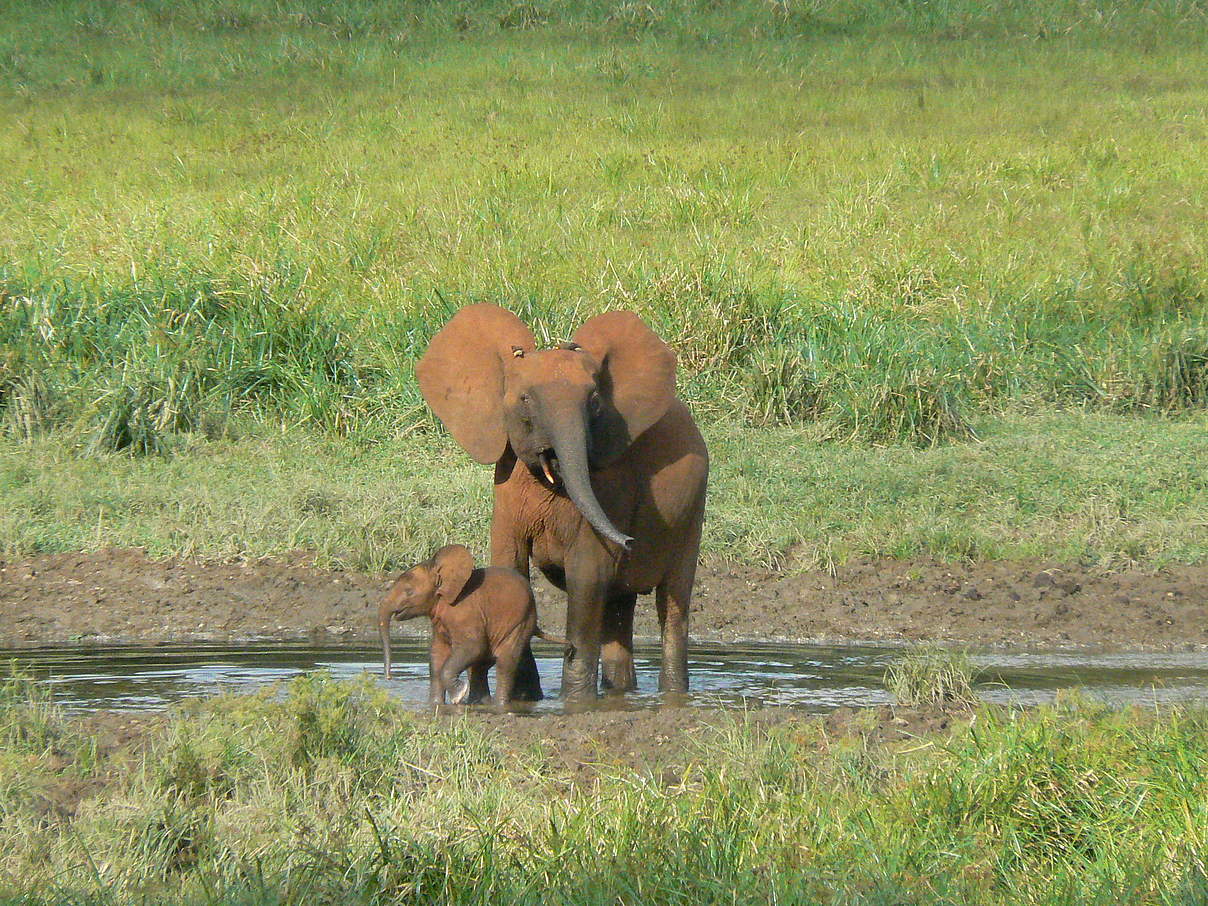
[(508, 550), (585, 588), (672, 599)]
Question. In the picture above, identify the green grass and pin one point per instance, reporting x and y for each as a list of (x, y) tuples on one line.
[(227, 229), (932, 676), (1110, 490), (333, 793), (889, 219)]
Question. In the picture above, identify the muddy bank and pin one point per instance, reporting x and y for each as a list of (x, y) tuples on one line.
[(122, 597)]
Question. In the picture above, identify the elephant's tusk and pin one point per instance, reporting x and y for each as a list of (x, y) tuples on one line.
[(549, 475)]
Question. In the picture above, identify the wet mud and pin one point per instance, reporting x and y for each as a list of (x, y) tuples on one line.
[(123, 597)]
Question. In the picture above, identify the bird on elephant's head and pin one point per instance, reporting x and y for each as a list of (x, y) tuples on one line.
[(600, 473)]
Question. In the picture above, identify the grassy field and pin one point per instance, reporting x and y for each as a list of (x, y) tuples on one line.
[(332, 793), (1110, 490), (858, 221)]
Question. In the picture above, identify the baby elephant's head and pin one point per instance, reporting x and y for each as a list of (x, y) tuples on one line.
[(417, 591)]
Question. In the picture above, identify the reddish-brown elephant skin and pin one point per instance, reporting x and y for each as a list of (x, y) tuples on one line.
[(480, 618), (600, 477)]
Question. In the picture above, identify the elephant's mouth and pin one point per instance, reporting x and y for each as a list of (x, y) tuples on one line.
[(547, 459)]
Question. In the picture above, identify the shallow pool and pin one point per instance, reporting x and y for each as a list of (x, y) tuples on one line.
[(811, 677)]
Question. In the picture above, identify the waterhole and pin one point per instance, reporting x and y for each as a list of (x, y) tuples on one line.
[(810, 677)]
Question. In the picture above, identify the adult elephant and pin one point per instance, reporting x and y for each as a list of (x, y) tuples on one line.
[(600, 476)]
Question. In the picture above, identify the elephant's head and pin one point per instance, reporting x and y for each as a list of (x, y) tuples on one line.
[(563, 411), (417, 591)]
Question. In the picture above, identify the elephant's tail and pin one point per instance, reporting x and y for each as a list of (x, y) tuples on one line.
[(544, 636)]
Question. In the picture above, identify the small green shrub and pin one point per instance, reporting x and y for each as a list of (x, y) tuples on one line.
[(200, 760), (146, 404), (166, 836), (524, 15), (932, 676), (30, 721), (328, 718)]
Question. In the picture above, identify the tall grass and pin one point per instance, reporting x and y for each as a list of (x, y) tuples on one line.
[(699, 21), (134, 366), (880, 217), (1114, 491), (332, 793), (138, 365)]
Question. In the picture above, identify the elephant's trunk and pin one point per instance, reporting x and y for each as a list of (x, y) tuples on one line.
[(570, 443), (384, 615)]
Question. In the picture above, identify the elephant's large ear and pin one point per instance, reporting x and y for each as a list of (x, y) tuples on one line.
[(637, 379), (461, 376), (452, 565)]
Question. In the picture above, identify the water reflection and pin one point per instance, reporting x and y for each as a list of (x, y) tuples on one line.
[(811, 677)]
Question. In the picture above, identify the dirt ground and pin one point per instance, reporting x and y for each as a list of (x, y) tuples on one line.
[(122, 597)]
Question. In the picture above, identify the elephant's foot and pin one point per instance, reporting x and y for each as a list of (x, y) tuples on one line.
[(618, 672), (673, 682), (579, 687)]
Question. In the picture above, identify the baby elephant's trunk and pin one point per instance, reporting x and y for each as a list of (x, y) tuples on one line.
[(384, 628)]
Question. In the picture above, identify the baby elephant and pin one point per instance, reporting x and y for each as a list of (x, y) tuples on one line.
[(479, 617)]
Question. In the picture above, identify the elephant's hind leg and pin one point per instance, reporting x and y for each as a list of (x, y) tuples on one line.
[(616, 645)]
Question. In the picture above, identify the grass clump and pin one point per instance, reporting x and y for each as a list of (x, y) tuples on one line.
[(1056, 792), (1065, 804), (931, 675), (136, 367), (30, 722)]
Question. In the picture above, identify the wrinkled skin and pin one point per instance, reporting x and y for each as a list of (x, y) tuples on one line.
[(479, 617), (600, 476)]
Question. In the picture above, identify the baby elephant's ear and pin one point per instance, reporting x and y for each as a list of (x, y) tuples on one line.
[(453, 565)]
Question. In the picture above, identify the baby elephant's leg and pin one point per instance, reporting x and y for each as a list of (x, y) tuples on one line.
[(476, 688), (508, 656), (438, 654), (459, 659), (505, 677)]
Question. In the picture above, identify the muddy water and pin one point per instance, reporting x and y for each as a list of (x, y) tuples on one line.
[(811, 677)]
